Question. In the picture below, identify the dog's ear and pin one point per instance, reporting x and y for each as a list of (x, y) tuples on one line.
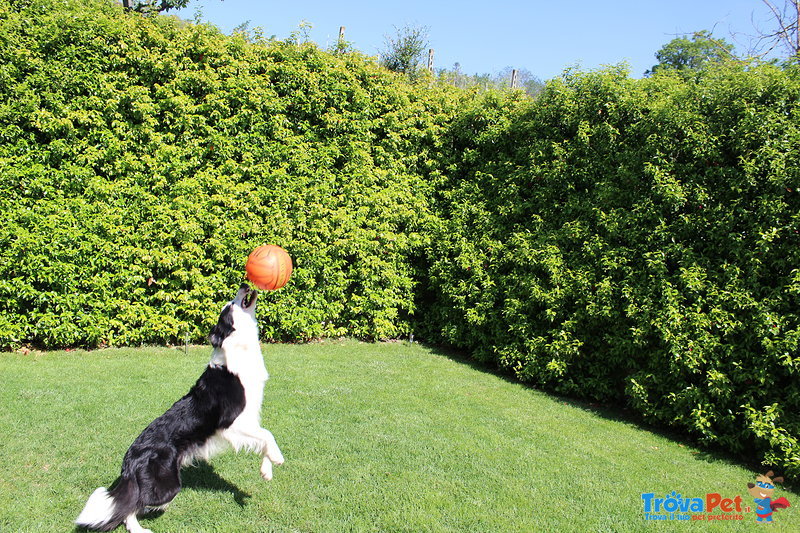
[(778, 480), (751, 485), (223, 328), (769, 474)]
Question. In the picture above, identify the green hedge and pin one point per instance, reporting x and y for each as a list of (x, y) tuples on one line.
[(143, 158), (620, 240), (637, 241)]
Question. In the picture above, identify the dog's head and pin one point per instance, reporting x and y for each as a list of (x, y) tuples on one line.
[(764, 487), (238, 315)]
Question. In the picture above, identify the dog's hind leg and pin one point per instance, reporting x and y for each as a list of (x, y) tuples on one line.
[(160, 482)]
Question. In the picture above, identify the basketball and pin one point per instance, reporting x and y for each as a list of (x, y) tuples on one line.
[(268, 267)]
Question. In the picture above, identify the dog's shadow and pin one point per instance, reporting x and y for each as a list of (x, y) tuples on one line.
[(202, 477)]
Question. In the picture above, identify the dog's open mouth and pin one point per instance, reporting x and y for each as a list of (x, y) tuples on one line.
[(249, 298)]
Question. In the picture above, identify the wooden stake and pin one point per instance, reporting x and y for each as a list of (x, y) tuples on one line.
[(514, 78), (430, 60)]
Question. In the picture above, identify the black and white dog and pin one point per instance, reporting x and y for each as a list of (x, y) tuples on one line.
[(222, 409)]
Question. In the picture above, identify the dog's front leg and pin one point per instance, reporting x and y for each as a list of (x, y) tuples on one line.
[(271, 453), (259, 439)]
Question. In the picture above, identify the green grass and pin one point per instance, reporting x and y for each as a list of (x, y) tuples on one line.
[(377, 437)]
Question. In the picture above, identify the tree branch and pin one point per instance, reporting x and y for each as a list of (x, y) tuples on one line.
[(785, 29)]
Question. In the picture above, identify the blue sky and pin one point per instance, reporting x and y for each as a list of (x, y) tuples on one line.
[(544, 37)]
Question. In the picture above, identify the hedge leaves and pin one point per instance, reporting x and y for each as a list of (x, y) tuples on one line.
[(619, 240), (143, 158)]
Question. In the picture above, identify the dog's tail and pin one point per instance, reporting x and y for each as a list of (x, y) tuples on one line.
[(106, 509)]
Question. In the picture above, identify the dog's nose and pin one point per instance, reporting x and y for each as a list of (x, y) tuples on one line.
[(244, 286)]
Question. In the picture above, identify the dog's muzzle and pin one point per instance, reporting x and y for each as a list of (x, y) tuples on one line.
[(249, 296)]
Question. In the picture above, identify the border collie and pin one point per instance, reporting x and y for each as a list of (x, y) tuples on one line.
[(222, 409)]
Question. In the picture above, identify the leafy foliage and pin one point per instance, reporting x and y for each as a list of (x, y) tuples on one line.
[(614, 239), (634, 240), (143, 159), (691, 55), (154, 6), (404, 51)]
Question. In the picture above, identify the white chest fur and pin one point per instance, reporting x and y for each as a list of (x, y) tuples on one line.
[(240, 353)]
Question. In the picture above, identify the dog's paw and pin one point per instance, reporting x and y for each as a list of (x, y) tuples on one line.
[(132, 525), (276, 458), (266, 469), (274, 454)]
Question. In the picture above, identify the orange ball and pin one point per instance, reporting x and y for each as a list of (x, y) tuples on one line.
[(269, 267)]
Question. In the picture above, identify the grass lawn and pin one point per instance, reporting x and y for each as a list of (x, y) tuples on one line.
[(377, 437)]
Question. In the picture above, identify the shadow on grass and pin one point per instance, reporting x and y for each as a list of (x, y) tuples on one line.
[(617, 413), (202, 477)]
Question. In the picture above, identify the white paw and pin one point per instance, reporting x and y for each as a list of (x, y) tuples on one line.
[(132, 525), (266, 469), (276, 458)]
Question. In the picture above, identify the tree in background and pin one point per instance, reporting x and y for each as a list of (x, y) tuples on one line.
[(691, 55), (404, 52), (153, 6)]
